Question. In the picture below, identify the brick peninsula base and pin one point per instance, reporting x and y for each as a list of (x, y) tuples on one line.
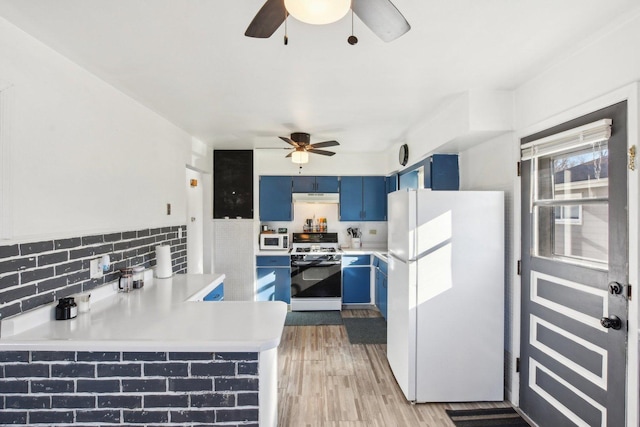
[(160, 355), (66, 387)]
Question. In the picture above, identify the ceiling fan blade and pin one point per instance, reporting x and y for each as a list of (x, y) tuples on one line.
[(288, 155), (289, 141), (324, 144), (382, 17), (267, 20), (323, 152)]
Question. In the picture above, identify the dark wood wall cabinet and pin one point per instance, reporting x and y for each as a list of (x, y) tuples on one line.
[(233, 184)]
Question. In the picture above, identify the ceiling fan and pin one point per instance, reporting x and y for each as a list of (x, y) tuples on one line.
[(381, 16), (300, 142)]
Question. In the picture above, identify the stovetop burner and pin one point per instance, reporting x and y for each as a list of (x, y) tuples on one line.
[(315, 244)]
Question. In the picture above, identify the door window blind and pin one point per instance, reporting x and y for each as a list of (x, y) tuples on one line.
[(571, 139)]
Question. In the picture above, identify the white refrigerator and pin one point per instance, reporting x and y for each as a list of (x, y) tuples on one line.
[(445, 326)]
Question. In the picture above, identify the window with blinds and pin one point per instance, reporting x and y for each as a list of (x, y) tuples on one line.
[(570, 194)]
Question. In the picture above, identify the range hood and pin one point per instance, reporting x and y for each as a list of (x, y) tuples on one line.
[(316, 197)]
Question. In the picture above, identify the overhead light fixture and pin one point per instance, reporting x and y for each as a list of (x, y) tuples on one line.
[(300, 156), (318, 12)]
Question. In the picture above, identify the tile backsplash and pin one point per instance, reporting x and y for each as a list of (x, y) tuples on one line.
[(37, 273)]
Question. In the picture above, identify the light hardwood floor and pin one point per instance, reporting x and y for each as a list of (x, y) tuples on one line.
[(324, 381)]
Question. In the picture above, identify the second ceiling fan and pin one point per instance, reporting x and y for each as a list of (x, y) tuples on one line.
[(301, 144), (381, 16)]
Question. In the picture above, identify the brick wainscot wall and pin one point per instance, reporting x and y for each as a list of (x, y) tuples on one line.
[(136, 388)]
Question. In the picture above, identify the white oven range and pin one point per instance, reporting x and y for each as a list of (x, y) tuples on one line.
[(316, 277)]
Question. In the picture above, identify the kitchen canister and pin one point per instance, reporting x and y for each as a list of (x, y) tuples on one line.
[(356, 243), (138, 277), (84, 302), (66, 309), (125, 281), (163, 262)]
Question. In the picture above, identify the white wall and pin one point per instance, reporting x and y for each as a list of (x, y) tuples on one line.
[(492, 166), (274, 162), (609, 62), (84, 157)]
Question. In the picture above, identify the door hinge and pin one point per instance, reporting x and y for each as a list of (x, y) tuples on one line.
[(629, 293), (519, 267), (519, 170), (517, 364)]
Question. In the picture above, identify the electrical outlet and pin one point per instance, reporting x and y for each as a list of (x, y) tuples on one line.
[(373, 231), (95, 269)]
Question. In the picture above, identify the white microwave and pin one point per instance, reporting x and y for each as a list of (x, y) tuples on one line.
[(272, 241)]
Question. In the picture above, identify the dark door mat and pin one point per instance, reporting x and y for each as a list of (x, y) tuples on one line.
[(490, 417), (371, 330), (313, 318)]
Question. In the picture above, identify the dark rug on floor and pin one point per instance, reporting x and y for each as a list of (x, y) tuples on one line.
[(490, 417), (371, 330), (313, 318)]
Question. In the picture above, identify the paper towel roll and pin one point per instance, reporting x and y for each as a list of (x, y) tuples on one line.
[(163, 262)]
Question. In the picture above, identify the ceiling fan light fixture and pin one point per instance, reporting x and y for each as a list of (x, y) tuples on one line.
[(300, 157), (318, 12)]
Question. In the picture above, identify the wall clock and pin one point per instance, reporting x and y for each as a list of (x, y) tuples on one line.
[(403, 154)]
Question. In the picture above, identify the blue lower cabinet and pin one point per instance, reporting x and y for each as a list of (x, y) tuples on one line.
[(273, 278), (215, 295), (381, 286), (383, 296), (356, 285), (381, 293)]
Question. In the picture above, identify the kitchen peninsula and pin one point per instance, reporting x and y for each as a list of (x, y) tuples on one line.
[(155, 355)]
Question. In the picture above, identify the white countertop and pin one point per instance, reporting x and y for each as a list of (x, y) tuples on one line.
[(379, 251), (162, 316), (284, 252)]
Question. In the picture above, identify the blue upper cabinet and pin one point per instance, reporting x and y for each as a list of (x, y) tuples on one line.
[(327, 184), (374, 197), (392, 183), (275, 198), (444, 172), (363, 198), (304, 184), (440, 172), (351, 198), (315, 184), (409, 180)]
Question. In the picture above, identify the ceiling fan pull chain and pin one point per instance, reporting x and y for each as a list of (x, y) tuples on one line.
[(352, 39), (286, 38)]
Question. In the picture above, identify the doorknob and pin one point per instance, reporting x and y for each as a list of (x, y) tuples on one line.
[(612, 322)]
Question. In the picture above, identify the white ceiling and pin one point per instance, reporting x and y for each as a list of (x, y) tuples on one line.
[(189, 61)]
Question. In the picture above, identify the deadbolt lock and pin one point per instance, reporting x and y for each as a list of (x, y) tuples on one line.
[(615, 288)]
